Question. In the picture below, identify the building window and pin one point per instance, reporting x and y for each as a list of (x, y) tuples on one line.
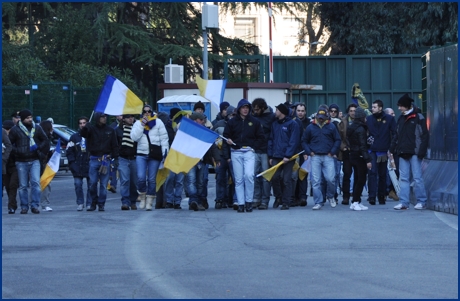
[(245, 29)]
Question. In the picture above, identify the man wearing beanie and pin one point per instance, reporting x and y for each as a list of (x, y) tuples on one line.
[(200, 108), (410, 144), (321, 141), (382, 128), (222, 113), (15, 117), (282, 145), (31, 145), (244, 134)]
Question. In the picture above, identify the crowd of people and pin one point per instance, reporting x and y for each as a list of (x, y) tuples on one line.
[(346, 151)]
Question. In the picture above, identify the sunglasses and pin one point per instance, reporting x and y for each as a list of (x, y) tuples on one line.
[(333, 111), (149, 111)]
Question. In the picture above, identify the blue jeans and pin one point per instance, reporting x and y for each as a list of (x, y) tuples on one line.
[(144, 165), (322, 164), (261, 185), (222, 173), (127, 169), (194, 180), (406, 167), (173, 187), (94, 177), (78, 183), (243, 170), (377, 178), (29, 170)]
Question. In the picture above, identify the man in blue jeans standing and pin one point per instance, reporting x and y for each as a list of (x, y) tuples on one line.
[(101, 141), (30, 145), (410, 144)]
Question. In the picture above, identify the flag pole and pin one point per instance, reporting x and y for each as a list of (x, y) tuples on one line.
[(91, 116), (279, 164), (226, 139)]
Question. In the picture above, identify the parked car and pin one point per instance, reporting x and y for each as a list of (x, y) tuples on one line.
[(64, 133)]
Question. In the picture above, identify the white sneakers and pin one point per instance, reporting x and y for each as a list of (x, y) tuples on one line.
[(80, 207), (401, 207), (419, 206), (332, 202), (317, 207), (47, 209), (358, 207)]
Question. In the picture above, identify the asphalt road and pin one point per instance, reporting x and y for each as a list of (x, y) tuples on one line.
[(298, 253)]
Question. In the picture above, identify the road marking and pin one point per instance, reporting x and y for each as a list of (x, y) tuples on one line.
[(450, 223)]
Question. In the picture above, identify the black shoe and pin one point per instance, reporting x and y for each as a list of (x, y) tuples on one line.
[(263, 206), (218, 205), (124, 207), (256, 204), (303, 202), (133, 206), (285, 207), (235, 206), (177, 206), (91, 208), (101, 208), (248, 206), (224, 205), (371, 201), (277, 203), (35, 210), (201, 207), (240, 208), (193, 206), (205, 203), (345, 201), (11, 211), (295, 203), (24, 211), (169, 206)]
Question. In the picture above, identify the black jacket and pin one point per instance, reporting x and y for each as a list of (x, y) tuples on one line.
[(411, 136), (101, 140), (21, 144), (357, 136), (383, 128), (266, 119), (78, 157)]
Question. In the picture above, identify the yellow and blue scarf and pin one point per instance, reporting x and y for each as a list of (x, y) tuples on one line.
[(152, 121)]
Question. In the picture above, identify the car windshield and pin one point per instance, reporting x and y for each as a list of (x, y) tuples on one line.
[(63, 132)]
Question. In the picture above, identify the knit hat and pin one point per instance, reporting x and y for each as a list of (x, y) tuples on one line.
[(334, 106), (405, 101), (321, 114), (360, 113), (127, 115), (173, 112), (8, 124), (283, 109), (230, 110), (199, 105), (24, 114), (223, 106), (196, 115)]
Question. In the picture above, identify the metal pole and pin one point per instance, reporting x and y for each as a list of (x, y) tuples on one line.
[(205, 53), (270, 60)]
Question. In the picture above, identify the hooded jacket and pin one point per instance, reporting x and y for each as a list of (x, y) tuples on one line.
[(266, 119), (412, 135), (100, 139), (357, 136), (78, 156), (284, 139), (321, 140), (243, 132)]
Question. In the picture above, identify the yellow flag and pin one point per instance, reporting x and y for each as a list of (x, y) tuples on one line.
[(162, 175), (268, 174)]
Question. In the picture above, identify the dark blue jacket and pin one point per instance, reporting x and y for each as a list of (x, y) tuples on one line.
[(383, 128), (243, 132), (321, 140), (284, 139), (78, 157)]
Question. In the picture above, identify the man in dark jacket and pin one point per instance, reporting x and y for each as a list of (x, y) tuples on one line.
[(262, 187), (321, 141), (410, 144), (222, 113), (127, 163), (10, 180), (244, 134), (30, 145), (78, 157), (101, 142), (283, 143), (382, 129)]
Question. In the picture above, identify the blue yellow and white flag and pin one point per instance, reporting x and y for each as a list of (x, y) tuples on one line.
[(191, 143), (212, 90), (52, 167), (116, 99)]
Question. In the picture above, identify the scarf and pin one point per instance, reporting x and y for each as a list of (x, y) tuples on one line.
[(150, 124), (31, 134), (126, 140)]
